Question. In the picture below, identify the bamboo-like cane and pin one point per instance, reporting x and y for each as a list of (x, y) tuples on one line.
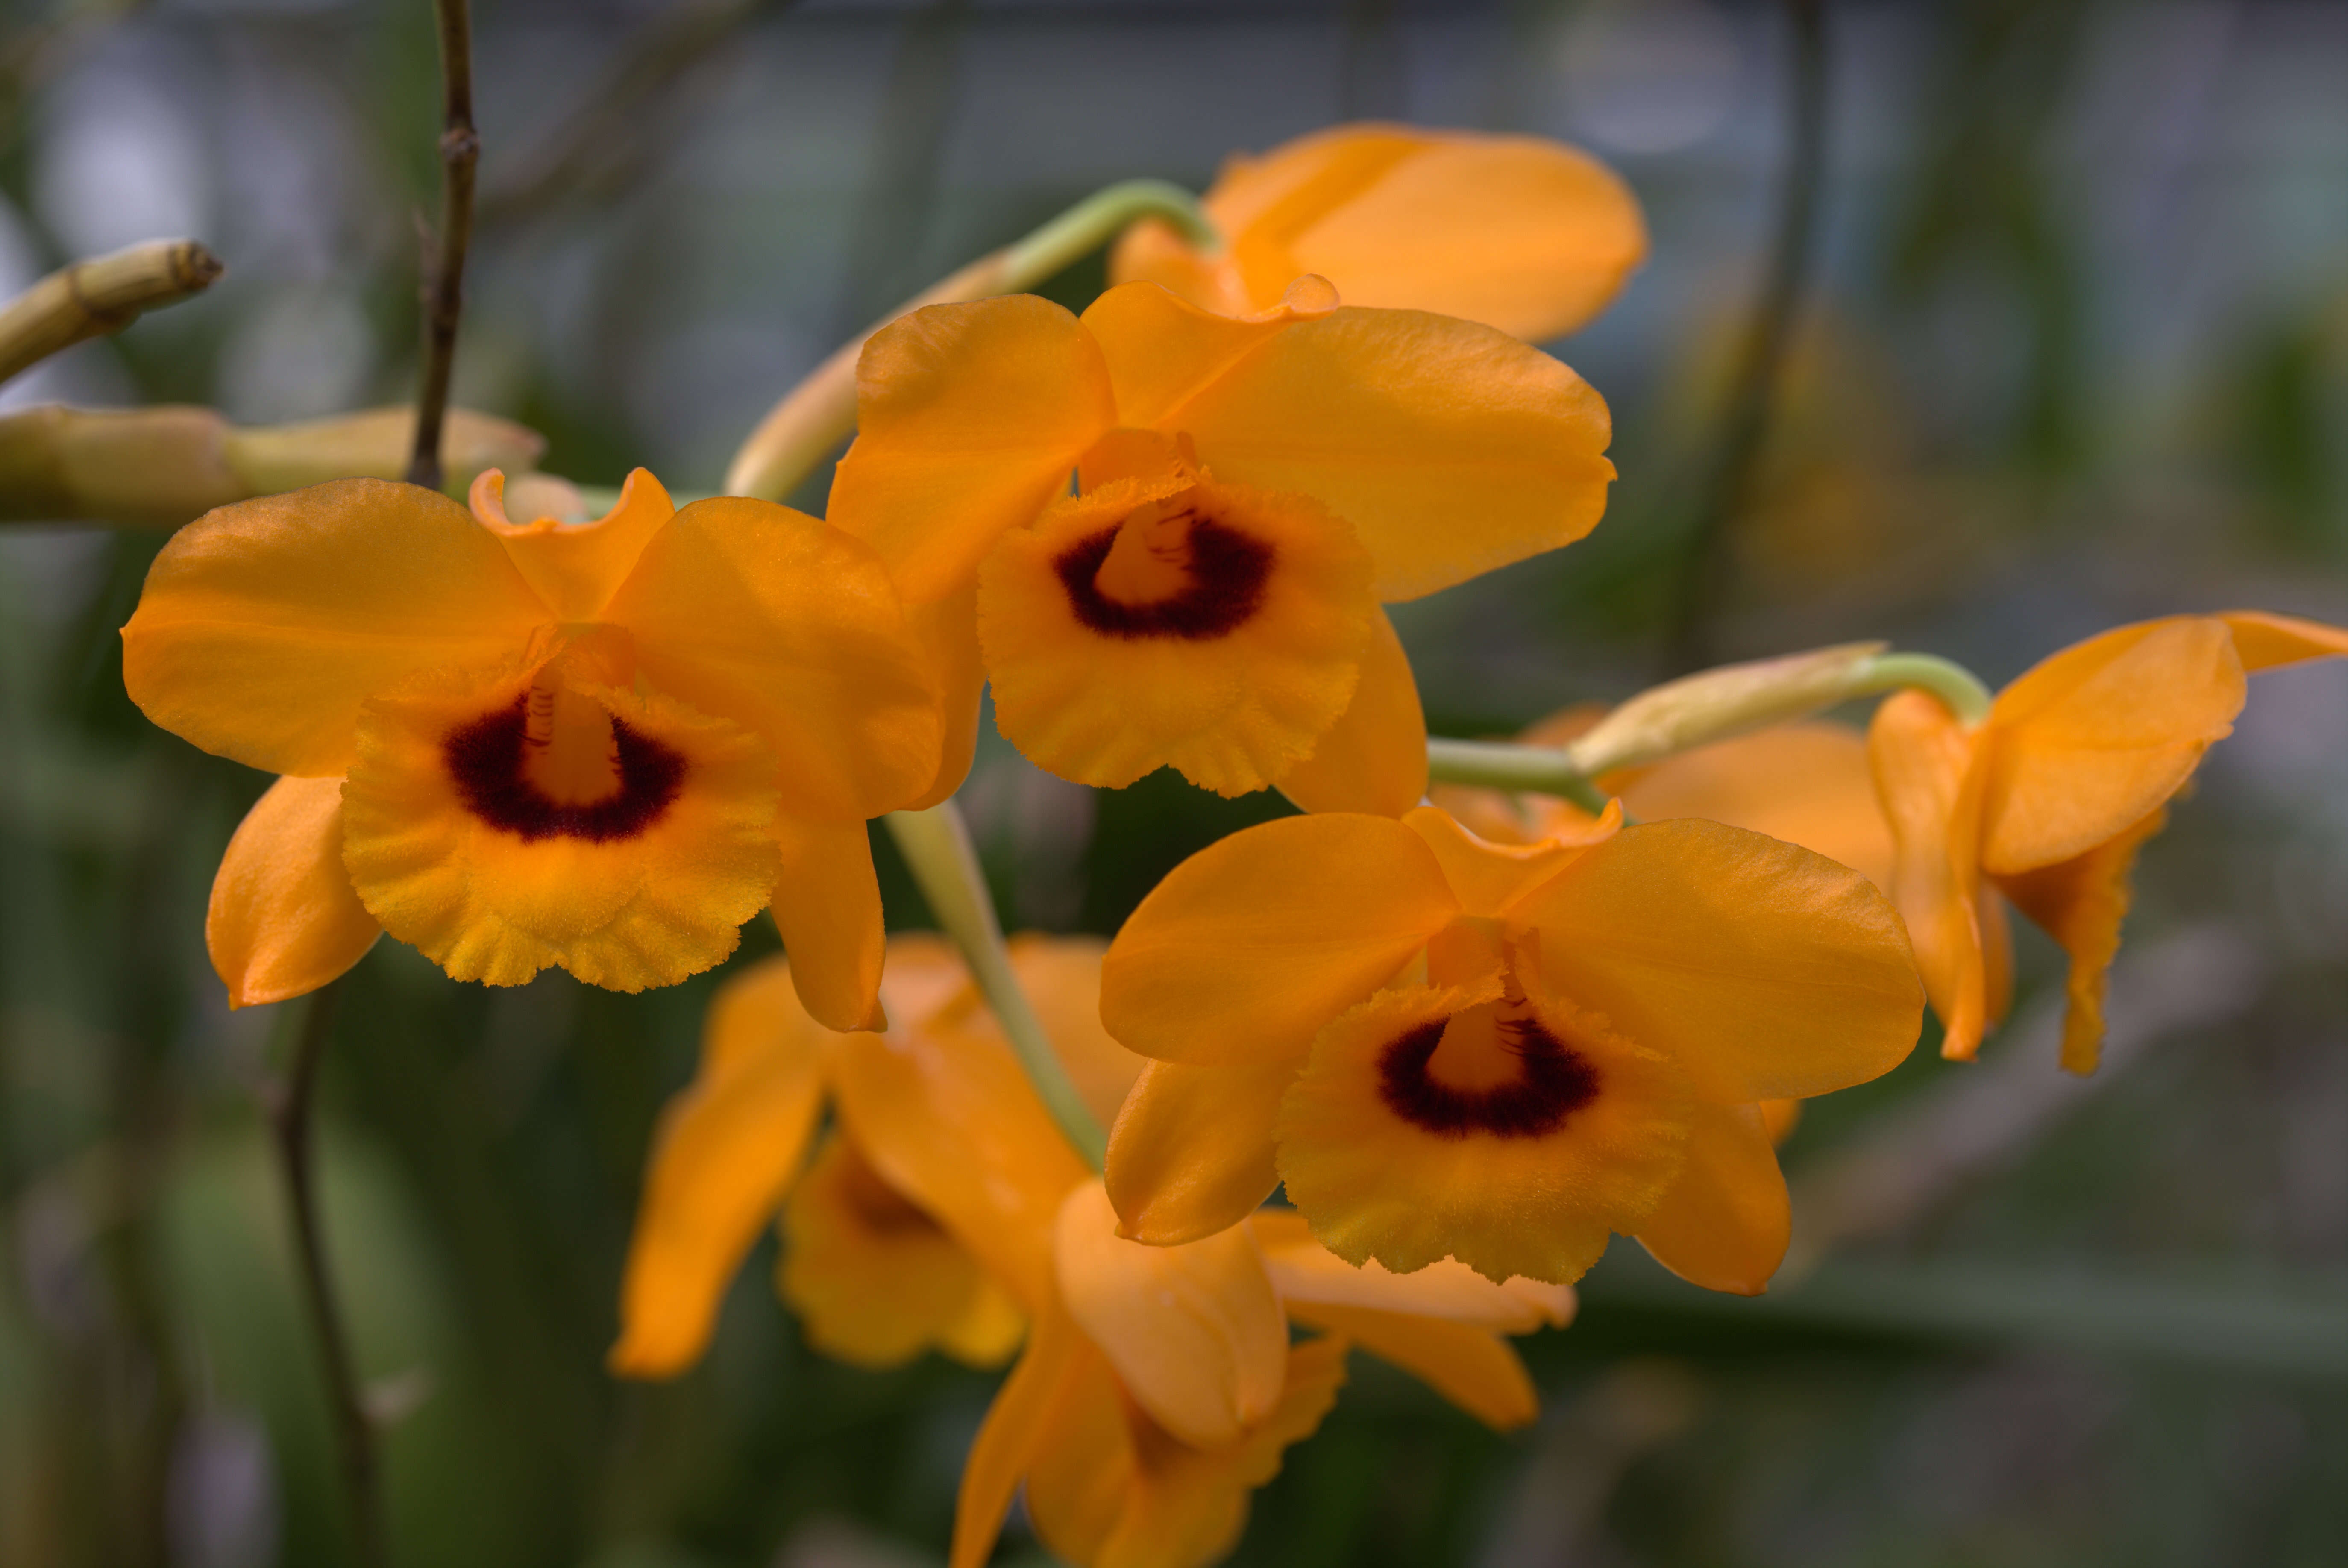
[(164, 466), (98, 296)]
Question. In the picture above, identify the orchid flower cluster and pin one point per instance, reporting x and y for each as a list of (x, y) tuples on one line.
[(1384, 1075)]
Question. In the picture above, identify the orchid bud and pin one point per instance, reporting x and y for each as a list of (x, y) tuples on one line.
[(1715, 704)]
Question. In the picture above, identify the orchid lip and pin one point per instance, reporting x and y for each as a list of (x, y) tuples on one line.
[(1552, 1082), (488, 759), (1224, 586)]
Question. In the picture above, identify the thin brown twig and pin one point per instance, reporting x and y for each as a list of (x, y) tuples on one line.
[(444, 299), (292, 1117), (1744, 426)]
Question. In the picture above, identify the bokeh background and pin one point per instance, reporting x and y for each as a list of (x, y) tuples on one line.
[(2072, 349)]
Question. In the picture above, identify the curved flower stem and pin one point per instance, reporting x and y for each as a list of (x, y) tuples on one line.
[(1100, 218), (444, 296), (290, 1116), (819, 414), (1958, 687), (1698, 709), (1503, 765), (936, 845)]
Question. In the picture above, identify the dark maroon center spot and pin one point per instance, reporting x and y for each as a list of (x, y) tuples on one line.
[(884, 1211), (1224, 586), (487, 758), (1552, 1082)]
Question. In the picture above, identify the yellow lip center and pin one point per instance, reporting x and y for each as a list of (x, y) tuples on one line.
[(569, 749), (1150, 560), (1166, 570)]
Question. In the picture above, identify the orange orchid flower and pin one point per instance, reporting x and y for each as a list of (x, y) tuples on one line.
[(874, 1280), (874, 1275), (2046, 804), (1158, 1387), (1807, 782), (515, 746), (1503, 1054), (1446, 1324), (1249, 491), (1518, 232)]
